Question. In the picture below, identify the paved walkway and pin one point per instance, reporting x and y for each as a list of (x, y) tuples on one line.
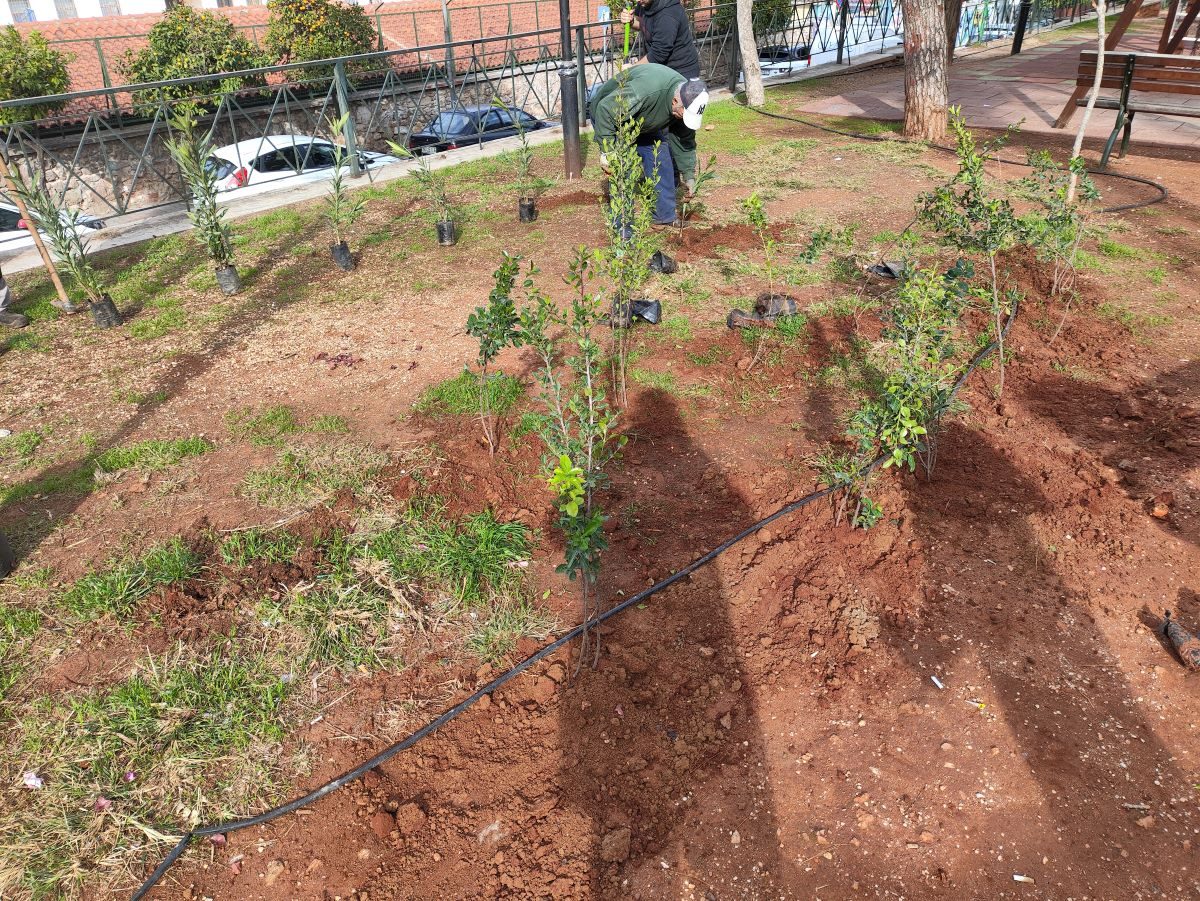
[(996, 91)]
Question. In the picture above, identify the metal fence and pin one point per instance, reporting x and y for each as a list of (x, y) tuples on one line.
[(105, 153)]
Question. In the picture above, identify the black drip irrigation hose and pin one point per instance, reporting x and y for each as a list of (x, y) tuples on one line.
[(461, 706), (1125, 207)]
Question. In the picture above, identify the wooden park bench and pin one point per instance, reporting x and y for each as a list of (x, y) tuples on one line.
[(1145, 73)]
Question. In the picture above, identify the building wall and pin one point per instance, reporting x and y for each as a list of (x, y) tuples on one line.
[(48, 10)]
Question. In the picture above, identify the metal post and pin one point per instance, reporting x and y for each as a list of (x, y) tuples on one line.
[(580, 52), (843, 23), (569, 91), (735, 56), (451, 64), (1022, 24), (343, 99), (108, 98)]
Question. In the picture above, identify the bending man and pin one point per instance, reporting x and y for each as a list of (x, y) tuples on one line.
[(670, 109)]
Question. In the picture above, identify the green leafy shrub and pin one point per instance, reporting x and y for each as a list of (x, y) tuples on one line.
[(30, 67), (186, 43), (301, 30), (769, 15), (191, 149)]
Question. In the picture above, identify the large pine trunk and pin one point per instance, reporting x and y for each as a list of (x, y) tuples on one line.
[(751, 71), (925, 92)]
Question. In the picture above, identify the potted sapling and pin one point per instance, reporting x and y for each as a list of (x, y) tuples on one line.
[(529, 186), (433, 185), (191, 149), (341, 210), (65, 234)]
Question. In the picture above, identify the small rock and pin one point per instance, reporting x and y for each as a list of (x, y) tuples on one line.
[(313, 865), (275, 869), (382, 823), (946, 746), (1129, 408), (736, 838), (542, 690), (556, 672), (706, 652), (1146, 822), (727, 721), (1127, 466), (614, 847), (927, 838)]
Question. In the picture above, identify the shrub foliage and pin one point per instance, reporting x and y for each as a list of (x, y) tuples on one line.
[(301, 30), (30, 67), (185, 43)]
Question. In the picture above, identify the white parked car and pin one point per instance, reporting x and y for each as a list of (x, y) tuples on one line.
[(299, 158), (14, 233)]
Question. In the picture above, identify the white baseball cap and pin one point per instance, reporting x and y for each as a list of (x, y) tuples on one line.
[(693, 94)]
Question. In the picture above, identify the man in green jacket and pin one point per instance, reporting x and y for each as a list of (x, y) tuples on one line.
[(670, 109)]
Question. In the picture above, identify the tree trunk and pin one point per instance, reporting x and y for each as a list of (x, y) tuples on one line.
[(925, 91), (751, 71), (1091, 104)]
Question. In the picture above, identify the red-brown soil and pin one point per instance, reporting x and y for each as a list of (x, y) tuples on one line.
[(771, 726)]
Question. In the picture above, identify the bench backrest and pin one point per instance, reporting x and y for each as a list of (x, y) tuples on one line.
[(1163, 73)]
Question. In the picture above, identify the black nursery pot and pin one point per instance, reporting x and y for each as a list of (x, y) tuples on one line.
[(341, 256), (105, 313), (8, 560), (447, 233), (527, 209), (229, 280)]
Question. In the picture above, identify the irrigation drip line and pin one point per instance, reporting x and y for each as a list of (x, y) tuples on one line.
[(1125, 207), (451, 714)]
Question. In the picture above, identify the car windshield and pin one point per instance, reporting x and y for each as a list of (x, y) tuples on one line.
[(450, 124)]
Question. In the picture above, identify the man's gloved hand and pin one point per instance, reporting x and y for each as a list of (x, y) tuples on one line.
[(604, 165), (626, 16), (689, 185)]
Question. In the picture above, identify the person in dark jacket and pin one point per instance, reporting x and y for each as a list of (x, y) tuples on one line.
[(667, 35), (670, 109)]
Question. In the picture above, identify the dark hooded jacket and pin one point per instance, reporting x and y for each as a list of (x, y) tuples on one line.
[(667, 35)]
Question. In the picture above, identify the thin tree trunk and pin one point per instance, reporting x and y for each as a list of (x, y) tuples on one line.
[(1091, 104), (31, 224), (925, 92), (751, 71)]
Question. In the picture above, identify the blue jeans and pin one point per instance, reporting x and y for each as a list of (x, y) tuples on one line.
[(664, 186)]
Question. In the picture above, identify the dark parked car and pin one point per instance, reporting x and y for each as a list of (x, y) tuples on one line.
[(464, 126)]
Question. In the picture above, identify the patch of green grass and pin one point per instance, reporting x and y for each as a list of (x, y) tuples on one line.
[(122, 585), (732, 133), (17, 623), (1137, 324), (792, 329), (139, 397), (459, 396), (678, 328), (528, 424), (707, 357), (474, 560), (185, 739), (666, 382), (496, 635), (25, 341), (1156, 275), (266, 428), (890, 150), (329, 424), (1171, 230), (23, 445), (258, 546), (1093, 263), (332, 621), (1115, 250), (270, 228), (304, 476), (151, 456), (864, 126), (147, 456), (169, 315)]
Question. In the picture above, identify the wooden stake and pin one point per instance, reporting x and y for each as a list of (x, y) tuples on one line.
[(6, 174)]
